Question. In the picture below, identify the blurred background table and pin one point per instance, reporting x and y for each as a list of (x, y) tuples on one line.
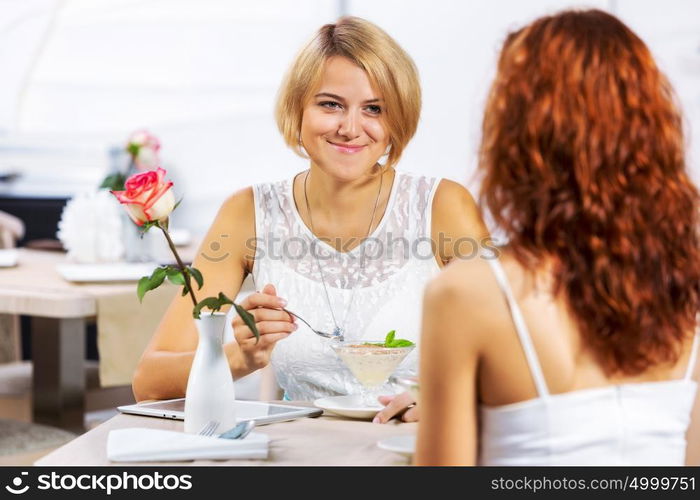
[(59, 312)]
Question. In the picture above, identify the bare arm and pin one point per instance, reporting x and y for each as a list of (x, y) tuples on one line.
[(447, 431), (165, 365), (457, 227)]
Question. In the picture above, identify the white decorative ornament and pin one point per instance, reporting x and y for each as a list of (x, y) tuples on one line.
[(91, 228)]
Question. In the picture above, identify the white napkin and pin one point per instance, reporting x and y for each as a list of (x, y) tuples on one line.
[(153, 445)]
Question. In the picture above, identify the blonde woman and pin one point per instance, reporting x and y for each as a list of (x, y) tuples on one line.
[(345, 244)]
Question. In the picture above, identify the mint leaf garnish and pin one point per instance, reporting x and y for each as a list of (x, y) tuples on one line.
[(392, 341)]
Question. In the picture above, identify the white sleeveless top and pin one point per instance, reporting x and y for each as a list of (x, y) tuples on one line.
[(626, 424), (387, 293)]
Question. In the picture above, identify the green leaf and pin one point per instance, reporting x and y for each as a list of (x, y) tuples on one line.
[(114, 182), (223, 299), (390, 337), (209, 302), (249, 320), (213, 303), (401, 343), (178, 203), (148, 283), (175, 276), (392, 341), (143, 287), (198, 278), (158, 277)]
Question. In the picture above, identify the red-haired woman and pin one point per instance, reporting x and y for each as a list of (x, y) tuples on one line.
[(577, 345)]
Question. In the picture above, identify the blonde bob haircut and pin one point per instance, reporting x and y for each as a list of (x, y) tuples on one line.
[(389, 68)]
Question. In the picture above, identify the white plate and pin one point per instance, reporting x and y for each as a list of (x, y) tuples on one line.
[(348, 406), (8, 257), (117, 271), (404, 445)]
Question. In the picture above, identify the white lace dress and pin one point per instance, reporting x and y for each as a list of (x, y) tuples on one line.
[(385, 295)]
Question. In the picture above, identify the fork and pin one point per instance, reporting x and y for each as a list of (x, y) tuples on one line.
[(209, 428), (239, 431)]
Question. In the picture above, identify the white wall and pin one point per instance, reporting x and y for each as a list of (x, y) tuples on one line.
[(455, 45), (672, 31), (203, 74)]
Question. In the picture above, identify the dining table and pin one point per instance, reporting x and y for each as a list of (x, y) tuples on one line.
[(328, 440), (60, 311)]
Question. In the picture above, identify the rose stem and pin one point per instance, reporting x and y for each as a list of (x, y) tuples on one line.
[(185, 273)]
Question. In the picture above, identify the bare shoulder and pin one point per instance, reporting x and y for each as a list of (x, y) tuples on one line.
[(462, 295), (456, 222), (451, 195), (448, 188), (237, 214), (462, 281), (232, 230), (240, 203)]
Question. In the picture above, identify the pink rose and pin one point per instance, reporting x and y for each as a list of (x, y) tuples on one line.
[(148, 196), (143, 148)]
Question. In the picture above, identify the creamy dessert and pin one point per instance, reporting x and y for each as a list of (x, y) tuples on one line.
[(371, 363)]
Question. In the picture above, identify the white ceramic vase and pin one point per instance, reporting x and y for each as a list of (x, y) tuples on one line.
[(210, 392)]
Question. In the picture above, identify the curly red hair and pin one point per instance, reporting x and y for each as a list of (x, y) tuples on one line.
[(583, 163)]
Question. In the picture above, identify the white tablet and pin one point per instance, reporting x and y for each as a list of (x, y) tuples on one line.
[(260, 411)]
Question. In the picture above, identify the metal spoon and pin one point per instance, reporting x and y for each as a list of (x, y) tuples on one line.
[(239, 431), (334, 335)]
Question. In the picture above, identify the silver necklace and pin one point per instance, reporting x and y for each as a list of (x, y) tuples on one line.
[(338, 331)]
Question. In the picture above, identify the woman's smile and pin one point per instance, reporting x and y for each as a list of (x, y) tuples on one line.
[(346, 148)]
